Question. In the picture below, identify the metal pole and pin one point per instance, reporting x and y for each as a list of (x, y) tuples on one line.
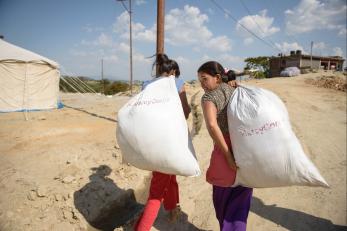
[(131, 51), (160, 26), (311, 53), (102, 76), (130, 43)]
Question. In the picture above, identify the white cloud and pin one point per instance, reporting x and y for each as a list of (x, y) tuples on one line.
[(139, 31), (338, 51), (121, 25), (183, 27), (205, 57), (89, 28), (319, 45), (311, 15), (248, 41), (146, 35), (140, 2), (138, 57), (196, 49), (260, 24), (103, 40), (342, 32), (111, 58), (220, 43), (287, 47), (188, 27), (182, 60), (229, 61), (319, 48), (124, 47)]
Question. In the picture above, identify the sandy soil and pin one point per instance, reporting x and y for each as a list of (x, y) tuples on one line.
[(62, 169)]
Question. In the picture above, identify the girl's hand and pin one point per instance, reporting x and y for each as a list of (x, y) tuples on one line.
[(231, 162), (233, 83)]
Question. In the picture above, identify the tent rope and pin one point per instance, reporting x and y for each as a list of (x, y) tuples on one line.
[(70, 85)]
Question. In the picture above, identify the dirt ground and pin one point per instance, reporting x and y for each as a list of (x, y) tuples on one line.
[(62, 169)]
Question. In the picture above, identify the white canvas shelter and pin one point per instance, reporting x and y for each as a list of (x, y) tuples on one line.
[(28, 81)]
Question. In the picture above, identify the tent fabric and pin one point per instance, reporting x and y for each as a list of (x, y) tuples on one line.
[(28, 81), (10, 52)]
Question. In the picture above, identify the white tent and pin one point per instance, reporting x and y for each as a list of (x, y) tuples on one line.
[(28, 81)]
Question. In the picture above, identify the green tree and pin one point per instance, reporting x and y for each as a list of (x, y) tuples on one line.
[(261, 64), (115, 87)]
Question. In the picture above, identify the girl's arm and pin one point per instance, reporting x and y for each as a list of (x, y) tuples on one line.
[(184, 101), (210, 114)]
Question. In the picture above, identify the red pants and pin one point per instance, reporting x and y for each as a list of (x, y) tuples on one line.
[(164, 188)]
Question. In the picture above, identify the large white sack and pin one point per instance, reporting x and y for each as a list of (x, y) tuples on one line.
[(152, 131), (265, 147)]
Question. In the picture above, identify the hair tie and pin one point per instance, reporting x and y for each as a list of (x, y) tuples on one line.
[(226, 70)]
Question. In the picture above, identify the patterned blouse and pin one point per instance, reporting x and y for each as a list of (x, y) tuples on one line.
[(220, 97)]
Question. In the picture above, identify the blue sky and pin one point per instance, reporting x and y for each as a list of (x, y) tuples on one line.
[(79, 33)]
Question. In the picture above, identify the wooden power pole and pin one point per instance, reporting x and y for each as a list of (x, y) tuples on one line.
[(160, 28), (160, 25)]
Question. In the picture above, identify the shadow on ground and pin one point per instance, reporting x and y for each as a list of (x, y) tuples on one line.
[(91, 113), (105, 206), (292, 219), (182, 224)]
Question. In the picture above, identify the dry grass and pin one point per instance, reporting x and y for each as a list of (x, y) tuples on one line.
[(333, 82)]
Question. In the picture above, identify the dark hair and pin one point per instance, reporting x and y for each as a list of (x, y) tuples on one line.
[(212, 68), (164, 64), (176, 68), (230, 75)]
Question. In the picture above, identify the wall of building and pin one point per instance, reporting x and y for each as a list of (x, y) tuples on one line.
[(307, 63), (292, 62)]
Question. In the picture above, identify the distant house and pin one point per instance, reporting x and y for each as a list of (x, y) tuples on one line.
[(303, 61)]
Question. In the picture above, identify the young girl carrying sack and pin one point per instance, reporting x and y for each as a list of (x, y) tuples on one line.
[(231, 204)]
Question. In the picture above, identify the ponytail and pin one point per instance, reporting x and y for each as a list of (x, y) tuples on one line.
[(229, 76), (164, 64)]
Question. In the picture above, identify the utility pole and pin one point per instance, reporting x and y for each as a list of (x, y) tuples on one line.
[(102, 76), (311, 53), (130, 44), (160, 27)]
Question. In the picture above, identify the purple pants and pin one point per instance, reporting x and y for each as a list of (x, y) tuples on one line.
[(232, 207)]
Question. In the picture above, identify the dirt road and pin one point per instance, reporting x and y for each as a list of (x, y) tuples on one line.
[(62, 169)]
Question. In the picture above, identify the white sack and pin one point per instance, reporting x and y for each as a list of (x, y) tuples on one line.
[(265, 147), (152, 131), (290, 71)]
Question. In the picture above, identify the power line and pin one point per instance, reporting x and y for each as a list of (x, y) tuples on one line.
[(290, 36), (125, 6), (260, 28), (252, 33)]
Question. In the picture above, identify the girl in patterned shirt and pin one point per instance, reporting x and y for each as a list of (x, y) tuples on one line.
[(231, 204)]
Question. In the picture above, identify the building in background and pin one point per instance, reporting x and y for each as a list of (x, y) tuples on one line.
[(303, 62)]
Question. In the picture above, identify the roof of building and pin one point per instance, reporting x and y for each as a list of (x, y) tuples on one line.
[(304, 56)]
